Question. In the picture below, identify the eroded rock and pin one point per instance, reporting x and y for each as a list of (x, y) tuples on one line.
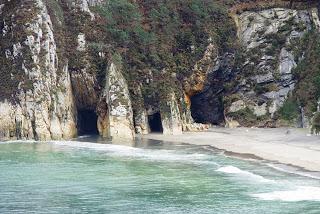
[(267, 37), (115, 116), (170, 115), (42, 106)]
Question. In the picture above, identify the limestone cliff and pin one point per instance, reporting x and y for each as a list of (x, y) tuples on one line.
[(117, 68), (42, 95), (269, 40), (36, 99)]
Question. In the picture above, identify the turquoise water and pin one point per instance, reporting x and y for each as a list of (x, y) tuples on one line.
[(153, 177)]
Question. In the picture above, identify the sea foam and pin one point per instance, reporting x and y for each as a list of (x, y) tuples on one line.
[(243, 173), (145, 154), (302, 193), (18, 141)]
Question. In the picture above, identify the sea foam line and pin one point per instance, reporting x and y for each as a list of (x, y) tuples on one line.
[(243, 173), (302, 193), (19, 141), (146, 154)]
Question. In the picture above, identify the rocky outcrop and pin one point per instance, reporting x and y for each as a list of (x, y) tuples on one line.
[(39, 105), (41, 95), (240, 6), (207, 106), (196, 81), (171, 118), (83, 5), (140, 115), (95, 2), (268, 37), (203, 91), (85, 85), (115, 116)]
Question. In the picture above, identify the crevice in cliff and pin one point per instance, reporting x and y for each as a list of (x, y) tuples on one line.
[(155, 122), (87, 122)]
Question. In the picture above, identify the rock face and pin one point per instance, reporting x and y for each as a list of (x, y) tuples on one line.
[(115, 116), (60, 77), (207, 106), (171, 118), (266, 79), (40, 104), (41, 95), (140, 115), (196, 82)]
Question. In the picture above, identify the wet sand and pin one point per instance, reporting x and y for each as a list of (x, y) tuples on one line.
[(288, 146)]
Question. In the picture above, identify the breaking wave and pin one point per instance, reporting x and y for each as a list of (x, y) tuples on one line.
[(243, 173), (303, 193)]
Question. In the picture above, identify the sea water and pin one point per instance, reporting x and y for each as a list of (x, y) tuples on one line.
[(151, 177)]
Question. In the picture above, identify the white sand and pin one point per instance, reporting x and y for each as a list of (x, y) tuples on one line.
[(296, 148)]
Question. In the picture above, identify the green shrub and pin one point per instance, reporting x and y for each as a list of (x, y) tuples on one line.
[(317, 84), (307, 72), (228, 100), (160, 34), (285, 28), (122, 17), (316, 124), (290, 110), (301, 26), (245, 117), (259, 89)]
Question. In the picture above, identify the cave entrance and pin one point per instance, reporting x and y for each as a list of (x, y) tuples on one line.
[(155, 123), (87, 122), (207, 107)]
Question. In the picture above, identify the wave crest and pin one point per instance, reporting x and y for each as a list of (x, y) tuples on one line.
[(243, 173), (305, 193)]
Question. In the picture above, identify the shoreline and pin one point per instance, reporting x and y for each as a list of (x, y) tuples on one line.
[(289, 146)]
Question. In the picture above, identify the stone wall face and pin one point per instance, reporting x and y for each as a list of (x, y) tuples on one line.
[(268, 38), (42, 106), (171, 118), (118, 121), (53, 67)]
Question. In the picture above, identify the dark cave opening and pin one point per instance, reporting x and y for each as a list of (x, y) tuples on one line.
[(155, 123), (207, 108), (87, 122)]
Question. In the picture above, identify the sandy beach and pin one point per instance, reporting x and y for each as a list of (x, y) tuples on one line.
[(288, 146)]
